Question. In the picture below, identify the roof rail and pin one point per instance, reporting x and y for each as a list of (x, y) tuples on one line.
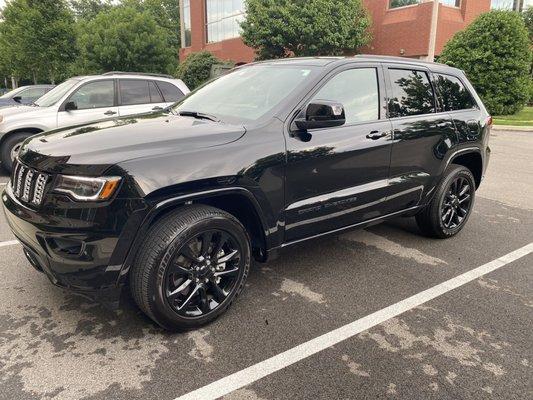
[(138, 73)]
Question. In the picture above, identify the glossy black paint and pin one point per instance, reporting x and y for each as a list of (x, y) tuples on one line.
[(296, 184)]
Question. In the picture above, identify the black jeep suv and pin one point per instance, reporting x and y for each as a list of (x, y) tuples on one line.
[(175, 204)]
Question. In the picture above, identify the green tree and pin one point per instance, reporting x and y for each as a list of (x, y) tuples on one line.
[(528, 19), (38, 38), (495, 53), (196, 68), (88, 9), (282, 28), (124, 39)]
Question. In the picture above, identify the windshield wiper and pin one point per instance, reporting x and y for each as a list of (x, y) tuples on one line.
[(198, 115)]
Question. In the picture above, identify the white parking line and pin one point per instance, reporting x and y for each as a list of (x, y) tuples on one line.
[(9, 243), (264, 368)]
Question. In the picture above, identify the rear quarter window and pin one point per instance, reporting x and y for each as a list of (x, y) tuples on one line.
[(170, 92), (453, 94)]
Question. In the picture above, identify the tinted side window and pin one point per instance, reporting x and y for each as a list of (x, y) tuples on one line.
[(95, 95), (155, 96), (453, 94), (412, 93), (170, 92), (357, 90), (134, 91)]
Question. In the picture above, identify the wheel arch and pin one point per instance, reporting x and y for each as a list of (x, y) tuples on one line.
[(239, 202), (472, 160), (33, 131)]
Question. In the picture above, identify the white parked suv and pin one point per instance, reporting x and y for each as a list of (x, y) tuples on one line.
[(86, 99)]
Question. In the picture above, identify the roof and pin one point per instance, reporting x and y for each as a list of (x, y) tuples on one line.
[(327, 61)]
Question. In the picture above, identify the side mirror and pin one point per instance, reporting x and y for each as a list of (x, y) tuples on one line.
[(71, 106), (18, 99), (321, 114)]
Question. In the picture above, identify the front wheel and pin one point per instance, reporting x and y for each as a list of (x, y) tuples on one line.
[(10, 149), (192, 265), (451, 206)]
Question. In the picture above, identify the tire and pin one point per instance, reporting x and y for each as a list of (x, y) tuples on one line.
[(162, 267), (9, 144), (433, 219)]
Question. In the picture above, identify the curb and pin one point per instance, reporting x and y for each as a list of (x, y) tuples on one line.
[(512, 128)]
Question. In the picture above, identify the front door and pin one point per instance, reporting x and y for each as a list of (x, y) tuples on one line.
[(336, 177), (93, 101)]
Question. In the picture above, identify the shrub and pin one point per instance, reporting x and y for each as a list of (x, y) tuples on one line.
[(196, 68), (494, 52)]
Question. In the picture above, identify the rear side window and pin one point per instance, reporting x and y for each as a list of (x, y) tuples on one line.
[(412, 93), (454, 95), (357, 90), (170, 92), (134, 91), (155, 96)]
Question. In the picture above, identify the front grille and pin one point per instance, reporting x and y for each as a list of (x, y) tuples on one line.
[(28, 184)]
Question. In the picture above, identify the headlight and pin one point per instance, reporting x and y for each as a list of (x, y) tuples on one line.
[(87, 189)]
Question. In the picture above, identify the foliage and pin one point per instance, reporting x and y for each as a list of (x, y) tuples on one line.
[(402, 3), (88, 9), (124, 39), (282, 28), (528, 19), (37, 38), (196, 68), (522, 118), (495, 53)]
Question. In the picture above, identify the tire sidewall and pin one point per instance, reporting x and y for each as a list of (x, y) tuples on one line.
[(159, 306), (9, 143), (452, 176)]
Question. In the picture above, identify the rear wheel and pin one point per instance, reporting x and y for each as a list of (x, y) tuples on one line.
[(451, 206), (10, 149), (191, 267)]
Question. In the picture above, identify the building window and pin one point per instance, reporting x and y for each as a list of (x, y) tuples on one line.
[(403, 3), (223, 19), (516, 5), (186, 23)]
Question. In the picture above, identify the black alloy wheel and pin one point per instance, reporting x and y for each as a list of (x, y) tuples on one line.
[(202, 273), (456, 204), (451, 205), (191, 267)]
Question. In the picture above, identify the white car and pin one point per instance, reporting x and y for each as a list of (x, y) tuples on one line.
[(86, 99)]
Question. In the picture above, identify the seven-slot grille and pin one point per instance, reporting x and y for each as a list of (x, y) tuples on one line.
[(28, 184)]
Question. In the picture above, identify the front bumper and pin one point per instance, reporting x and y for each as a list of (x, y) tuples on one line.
[(84, 254)]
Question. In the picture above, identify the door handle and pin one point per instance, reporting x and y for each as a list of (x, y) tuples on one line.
[(442, 125), (375, 135), (110, 112), (157, 108)]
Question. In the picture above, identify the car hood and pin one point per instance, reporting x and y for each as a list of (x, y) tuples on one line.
[(93, 148), (14, 109)]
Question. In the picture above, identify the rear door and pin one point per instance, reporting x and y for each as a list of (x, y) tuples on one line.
[(421, 135), (94, 101), (336, 177), (138, 96), (455, 99)]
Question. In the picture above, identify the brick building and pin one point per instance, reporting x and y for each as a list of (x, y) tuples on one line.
[(400, 27)]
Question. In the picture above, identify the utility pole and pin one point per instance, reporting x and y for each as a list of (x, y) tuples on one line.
[(433, 31)]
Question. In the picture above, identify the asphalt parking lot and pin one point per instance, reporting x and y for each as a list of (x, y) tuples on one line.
[(472, 342)]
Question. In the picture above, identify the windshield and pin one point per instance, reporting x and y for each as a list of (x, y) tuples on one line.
[(11, 94), (54, 95), (246, 94)]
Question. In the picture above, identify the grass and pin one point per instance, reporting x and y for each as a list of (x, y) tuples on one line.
[(523, 118)]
